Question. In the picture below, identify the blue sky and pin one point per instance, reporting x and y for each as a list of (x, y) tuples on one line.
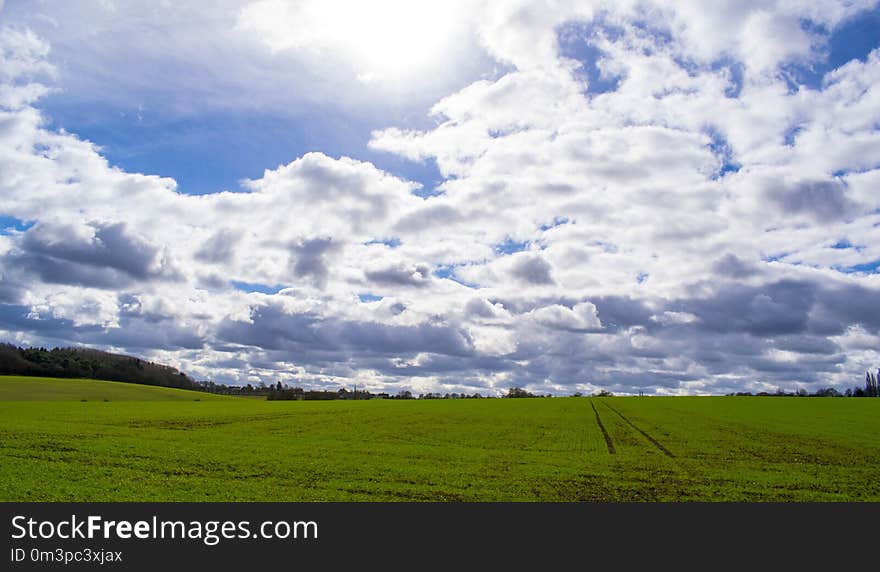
[(214, 150), (210, 152), (171, 128), (854, 39), (456, 197)]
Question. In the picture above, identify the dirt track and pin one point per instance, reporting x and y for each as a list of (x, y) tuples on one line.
[(655, 442), (608, 442)]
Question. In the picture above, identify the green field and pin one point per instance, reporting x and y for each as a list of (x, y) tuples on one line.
[(80, 440), (15, 388)]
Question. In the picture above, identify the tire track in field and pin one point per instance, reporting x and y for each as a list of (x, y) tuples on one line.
[(655, 442), (608, 442)]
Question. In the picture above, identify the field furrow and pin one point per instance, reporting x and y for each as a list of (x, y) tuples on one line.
[(608, 441), (653, 441)]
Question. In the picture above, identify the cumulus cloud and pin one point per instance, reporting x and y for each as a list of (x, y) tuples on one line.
[(311, 259), (532, 270), (220, 247), (416, 276), (582, 317), (639, 196), (96, 254), (821, 200)]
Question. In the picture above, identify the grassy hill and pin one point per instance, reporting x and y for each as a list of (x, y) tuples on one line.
[(21, 388), (79, 363)]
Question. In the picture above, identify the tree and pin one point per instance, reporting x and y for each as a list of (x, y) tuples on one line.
[(518, 392), (827, 392), (871, 385)]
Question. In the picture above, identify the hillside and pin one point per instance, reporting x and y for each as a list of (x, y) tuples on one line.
[(25, 388), (89, 364)]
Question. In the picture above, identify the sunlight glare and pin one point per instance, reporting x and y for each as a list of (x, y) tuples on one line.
[(382, 40)]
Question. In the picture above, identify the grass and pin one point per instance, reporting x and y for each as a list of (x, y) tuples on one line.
[(18, 388), (159, 444)]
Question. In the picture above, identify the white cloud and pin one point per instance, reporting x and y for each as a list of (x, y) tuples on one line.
[(581, 317), (382, 41), (686, 230)]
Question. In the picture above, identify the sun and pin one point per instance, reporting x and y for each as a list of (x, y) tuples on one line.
[(382, 41), (397, 37)]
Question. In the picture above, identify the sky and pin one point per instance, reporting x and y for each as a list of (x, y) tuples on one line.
[(457, 196)]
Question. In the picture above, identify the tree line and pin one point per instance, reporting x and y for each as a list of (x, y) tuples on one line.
[(283, 392), (869, 390), (90, 364)]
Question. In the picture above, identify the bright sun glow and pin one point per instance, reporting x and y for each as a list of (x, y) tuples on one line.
[(382, 40)]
